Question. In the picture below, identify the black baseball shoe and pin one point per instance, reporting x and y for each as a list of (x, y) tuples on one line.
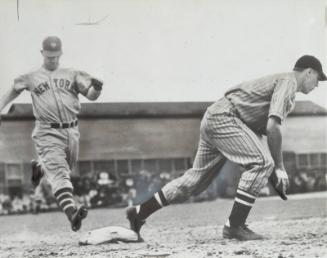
[(135, 222), (76, 218), (242, 233), (37, 173)]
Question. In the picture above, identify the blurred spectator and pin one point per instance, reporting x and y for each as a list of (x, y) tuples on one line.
[(165, 177), (104, 189), (106, 193), (154, 186), (17, 205), (78, 185), (36, 201), (82, 187), (6, 206), (297, 184), (129, 194), (310, 182), (42, 199), (142, 183), (321, 182), (86, 191)]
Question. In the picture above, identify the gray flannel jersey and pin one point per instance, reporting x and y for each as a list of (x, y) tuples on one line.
[(54, 93)]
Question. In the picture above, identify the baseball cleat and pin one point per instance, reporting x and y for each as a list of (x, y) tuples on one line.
[(135, 222), (77, 217), (37, 173), (242, 233)]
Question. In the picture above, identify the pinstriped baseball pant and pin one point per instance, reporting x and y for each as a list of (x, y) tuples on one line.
[(223, 136)]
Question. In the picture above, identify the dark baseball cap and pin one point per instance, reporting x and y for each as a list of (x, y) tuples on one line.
[(51, 46), (307, 61)]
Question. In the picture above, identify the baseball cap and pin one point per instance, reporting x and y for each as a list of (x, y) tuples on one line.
[(51, 46), (307, 61)]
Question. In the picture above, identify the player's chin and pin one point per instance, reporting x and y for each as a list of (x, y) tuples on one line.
[(52, 67)]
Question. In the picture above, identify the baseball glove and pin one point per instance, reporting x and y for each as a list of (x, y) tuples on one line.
[(279, 188), (97, 84)]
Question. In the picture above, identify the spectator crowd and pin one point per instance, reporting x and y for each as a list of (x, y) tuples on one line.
[(106, 190)]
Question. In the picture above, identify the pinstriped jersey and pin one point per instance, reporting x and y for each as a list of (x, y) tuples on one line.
[(54, 93), (257, 100)]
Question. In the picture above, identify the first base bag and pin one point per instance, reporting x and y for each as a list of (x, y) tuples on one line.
[(107, 235)]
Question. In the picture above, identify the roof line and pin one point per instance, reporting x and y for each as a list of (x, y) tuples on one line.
[(151, 110)]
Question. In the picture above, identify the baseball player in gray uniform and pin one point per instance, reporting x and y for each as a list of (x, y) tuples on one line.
[(55, 99), (232, 129)]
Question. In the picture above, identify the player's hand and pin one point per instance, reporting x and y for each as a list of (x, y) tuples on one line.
[(279, 181), (282, 179)]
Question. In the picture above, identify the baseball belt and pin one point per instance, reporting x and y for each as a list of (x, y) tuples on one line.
[(64, 125)]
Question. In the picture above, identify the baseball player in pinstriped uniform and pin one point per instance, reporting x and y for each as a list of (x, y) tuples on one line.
[(232, 129), (55, 98)]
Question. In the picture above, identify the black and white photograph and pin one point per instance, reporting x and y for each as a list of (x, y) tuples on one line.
[(163, 129)]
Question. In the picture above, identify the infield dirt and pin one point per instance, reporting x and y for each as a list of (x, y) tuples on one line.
[(295, 228)]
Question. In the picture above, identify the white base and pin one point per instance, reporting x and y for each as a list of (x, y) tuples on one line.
[(107, 235)]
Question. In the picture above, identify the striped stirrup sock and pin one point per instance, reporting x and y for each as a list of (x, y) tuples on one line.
[(65, 200), (156, 202), (242, 205)]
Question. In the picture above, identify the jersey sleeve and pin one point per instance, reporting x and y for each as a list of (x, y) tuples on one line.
[(283, 99), (21, 83), (83, 82)]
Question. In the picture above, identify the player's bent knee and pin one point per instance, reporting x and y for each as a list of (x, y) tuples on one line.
[(60, 180), (182, 188), (178, 191)]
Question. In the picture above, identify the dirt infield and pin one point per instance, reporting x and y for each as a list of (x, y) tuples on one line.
[(296, 228)]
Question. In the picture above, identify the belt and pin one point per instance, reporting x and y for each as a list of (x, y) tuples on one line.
[(64, 125)]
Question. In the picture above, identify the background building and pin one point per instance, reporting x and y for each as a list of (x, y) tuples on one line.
[(124, 139)]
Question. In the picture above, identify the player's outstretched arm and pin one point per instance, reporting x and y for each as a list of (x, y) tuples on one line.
[(9, 96)]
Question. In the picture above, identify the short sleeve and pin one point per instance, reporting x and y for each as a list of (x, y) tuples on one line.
[(21, 83), (83, 82), (283, 99)]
